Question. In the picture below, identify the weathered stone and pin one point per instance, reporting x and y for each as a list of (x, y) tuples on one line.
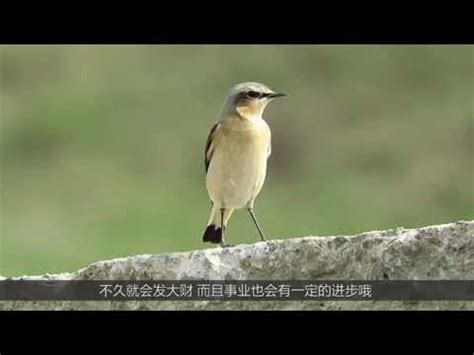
[(430, 253)]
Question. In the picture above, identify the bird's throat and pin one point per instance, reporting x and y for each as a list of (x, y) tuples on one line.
[(249, 113)]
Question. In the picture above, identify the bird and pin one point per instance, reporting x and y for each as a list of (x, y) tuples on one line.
[(235, 157)]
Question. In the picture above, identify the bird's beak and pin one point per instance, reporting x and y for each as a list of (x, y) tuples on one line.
[(274, 95)]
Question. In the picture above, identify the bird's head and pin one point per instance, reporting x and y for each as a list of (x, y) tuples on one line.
[(249, 99)]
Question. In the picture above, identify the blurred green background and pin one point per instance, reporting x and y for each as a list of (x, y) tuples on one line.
[(101, 147)]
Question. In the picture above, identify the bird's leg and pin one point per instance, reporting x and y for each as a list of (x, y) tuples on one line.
[(256, 223), (223, 242)]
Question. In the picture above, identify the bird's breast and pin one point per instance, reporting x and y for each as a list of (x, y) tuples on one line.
[(246, 140), (239, 162)]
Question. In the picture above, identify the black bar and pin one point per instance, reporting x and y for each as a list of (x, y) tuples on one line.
[(250, 290)]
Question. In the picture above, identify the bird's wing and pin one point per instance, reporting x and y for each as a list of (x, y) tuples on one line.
[(209, 150)]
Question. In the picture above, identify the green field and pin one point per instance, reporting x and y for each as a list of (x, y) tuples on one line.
[(101, 147)]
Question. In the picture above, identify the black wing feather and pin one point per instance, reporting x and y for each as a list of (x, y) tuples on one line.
[(207, 153)]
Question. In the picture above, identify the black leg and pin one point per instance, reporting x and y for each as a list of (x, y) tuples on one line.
[(223, 242), (256, 223)]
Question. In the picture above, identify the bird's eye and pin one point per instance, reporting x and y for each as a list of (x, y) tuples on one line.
[(253, 94)]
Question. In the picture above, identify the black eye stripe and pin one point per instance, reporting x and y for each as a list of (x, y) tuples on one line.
[(254, 94)]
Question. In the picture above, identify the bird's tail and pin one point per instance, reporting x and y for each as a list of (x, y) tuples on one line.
[(213, 232)]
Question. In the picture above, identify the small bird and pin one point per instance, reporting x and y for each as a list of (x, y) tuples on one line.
[(235, 158)]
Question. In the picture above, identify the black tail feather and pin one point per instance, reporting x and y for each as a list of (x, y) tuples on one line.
[(212, 234)]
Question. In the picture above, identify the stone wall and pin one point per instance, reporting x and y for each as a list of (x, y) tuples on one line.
[(430, 253)]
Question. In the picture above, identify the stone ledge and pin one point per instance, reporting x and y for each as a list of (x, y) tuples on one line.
[(431, 253)]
